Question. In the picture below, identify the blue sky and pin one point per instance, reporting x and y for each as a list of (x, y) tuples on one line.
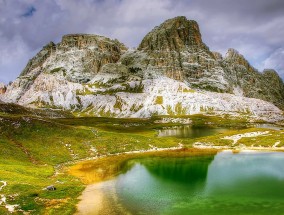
[(254, 28)]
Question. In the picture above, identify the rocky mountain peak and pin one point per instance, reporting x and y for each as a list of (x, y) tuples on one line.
[(72, 43), (40, 58), (218, 56), (272, 73), (173, 34), (76, 59), (234, 57), (233, 54), (82, 41)]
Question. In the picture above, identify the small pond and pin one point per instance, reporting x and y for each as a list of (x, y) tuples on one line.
[(187, 131)]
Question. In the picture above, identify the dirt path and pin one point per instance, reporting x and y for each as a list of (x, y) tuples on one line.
[(26, 151)]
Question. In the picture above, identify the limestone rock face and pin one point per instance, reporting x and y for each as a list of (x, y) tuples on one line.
[(233, 57), (3, 88), (173, 35), (76, 59), (175, 49), (172, 72), (218, 56), (95, 51), (242, 76)]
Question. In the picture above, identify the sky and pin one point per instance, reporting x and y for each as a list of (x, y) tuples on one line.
[(253, 27)]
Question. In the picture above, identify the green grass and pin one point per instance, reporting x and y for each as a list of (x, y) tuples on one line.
[(159, 100), (33, 149), (55, 70), (125, 87), (30, 150), (84, 92), (266, 140)]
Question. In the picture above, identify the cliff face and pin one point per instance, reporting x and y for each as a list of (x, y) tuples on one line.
[(247, 81), (76, 59), (175, 49), (94, 51), (174, 34), (171, 72), (3, 88)]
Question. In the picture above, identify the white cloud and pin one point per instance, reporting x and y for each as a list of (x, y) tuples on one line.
[(276, 61)]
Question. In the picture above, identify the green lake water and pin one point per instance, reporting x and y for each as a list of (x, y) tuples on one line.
[(227, 183)]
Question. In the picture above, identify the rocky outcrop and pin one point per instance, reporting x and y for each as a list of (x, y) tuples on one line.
[(171, 72), (245, 79), (76, 59), (173, 35), (218, 56), (175, 49), (98, 51), (233, 57), (39, 59), (3, 88)]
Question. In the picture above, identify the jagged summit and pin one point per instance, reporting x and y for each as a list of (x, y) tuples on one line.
[(173, 34), (172, 72), (90, 43), (233, 56), (91, 40), (175, 49)]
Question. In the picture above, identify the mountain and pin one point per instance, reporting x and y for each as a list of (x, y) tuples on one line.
[(172, 72)]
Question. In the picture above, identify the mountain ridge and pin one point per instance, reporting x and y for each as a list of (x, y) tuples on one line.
[(172, 71)]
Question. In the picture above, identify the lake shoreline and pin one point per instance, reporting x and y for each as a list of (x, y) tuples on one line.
[(106, 167), (103, 202), (172, 151)]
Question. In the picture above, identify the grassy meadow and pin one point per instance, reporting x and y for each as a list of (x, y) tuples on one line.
[(37, 151)]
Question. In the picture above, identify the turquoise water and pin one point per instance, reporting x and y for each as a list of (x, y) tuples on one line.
[(227, 183)]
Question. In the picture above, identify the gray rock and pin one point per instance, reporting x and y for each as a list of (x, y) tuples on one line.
[(50, 188)]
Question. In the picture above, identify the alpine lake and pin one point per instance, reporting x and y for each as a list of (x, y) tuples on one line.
[(185, 181)]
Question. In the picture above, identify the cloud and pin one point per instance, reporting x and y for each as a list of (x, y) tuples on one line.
[(29, 12), (13, 57), (275, 60), (253, 28)]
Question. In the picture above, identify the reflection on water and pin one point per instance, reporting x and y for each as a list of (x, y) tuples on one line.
[(269, 126), (227, 183), (157, 182), (187, 131), (189, 170)]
